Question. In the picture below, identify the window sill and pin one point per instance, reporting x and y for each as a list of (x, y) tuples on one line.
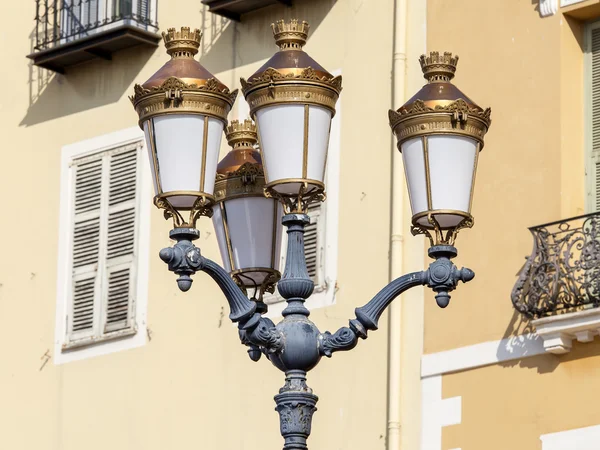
[(558, 332), (87, 342)]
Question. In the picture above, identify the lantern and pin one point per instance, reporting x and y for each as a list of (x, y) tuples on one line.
[(247, 224), (440, 133)]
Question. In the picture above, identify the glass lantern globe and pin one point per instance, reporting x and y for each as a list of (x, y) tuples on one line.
[(440, 133), (292, 99), (247, 224), (183, 110)]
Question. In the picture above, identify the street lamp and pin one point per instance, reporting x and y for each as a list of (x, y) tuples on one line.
[(247, 224), (440, 132)]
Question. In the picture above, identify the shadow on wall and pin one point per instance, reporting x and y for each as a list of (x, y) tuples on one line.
[(251, 40), (225, 45), (86, 86)]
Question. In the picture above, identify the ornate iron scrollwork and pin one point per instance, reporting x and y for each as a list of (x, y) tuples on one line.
[(562, 274)]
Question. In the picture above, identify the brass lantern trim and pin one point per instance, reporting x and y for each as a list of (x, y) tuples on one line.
[(291, 76), (238, 179), (174, 96), (273, 87), (182, 86), (440, 108)]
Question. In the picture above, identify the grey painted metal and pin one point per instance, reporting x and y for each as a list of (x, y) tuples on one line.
[(295, 345)]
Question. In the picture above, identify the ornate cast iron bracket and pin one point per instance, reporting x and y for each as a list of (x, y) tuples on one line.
[(295, 345)]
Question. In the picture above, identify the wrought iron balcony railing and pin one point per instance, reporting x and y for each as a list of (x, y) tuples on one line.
[(563, 272), (68, 32)]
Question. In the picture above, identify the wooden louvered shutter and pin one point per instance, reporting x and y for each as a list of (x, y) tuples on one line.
[(105, 193), (314, 243), (120, 248), (83, 320), (594, 163)]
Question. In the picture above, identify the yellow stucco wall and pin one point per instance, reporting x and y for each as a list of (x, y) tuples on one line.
[(530, 71), (192, 385), (510, 405)]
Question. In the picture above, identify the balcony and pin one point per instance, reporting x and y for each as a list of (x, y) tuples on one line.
[(559, 286), (69, 32), (233, 9)]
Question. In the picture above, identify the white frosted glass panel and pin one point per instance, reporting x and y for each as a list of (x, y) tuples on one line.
[(414, 167), (217, 219), (179, 149), (213, 145), (451, 163), (150, 156), (281, 131), (319, 120), (250, 223)]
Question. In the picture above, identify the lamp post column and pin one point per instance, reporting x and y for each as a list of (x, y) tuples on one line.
[(296, 402)]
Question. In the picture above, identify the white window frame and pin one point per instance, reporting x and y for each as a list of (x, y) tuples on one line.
[(589, 156), (577, 439), (78, 150), (324, 295)]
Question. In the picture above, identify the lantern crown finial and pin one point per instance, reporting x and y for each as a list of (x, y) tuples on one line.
[(290, 35), (183, 43), (241, 134), (438, 67)]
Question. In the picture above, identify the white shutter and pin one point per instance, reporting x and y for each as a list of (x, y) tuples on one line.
[(314, 237), (120, 248), (594, 153), (105, 197), (83, 317)]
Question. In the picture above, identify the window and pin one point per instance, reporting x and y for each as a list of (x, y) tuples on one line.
[(321, 235), (101, 272), (592, 59)]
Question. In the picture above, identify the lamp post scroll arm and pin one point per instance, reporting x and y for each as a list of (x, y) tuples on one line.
[(442, 277), (367, 316)]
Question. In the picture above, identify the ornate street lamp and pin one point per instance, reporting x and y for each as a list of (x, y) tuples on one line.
[(440, 133), (292, 98), (183, 109), (247, 224)]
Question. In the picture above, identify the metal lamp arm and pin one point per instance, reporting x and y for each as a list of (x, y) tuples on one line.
[(367, 316), (184, 259), (442, 277)]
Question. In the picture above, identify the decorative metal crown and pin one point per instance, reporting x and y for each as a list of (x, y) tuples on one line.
[(183, 43), (290, 35), (438, 67), (241, 134)]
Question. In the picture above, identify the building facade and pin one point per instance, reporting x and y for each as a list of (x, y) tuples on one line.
[(115, 356)]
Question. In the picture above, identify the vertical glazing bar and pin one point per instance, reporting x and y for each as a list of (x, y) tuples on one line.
[(305, 155), (477, 150), (80, 17), (55, 30), (262, 156), (45, 20), (227, 236), (204, 146), (274, 234), (37, 24), (427, 173), (153, 150)]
